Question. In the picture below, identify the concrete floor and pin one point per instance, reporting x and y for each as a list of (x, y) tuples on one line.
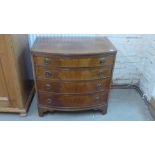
[(124, 105)]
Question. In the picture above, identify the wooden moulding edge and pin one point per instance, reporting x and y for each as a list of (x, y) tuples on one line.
[(39, 53), (48, 108)]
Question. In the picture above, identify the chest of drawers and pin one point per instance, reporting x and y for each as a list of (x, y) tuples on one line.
[(72, 74)]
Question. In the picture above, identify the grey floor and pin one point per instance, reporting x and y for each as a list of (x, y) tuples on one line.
[(124, 105)]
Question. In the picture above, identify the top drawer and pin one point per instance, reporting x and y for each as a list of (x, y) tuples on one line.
[(76, 61)]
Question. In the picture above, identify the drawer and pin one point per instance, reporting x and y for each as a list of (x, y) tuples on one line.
[(73, 87), (83, 61), (73, 74), (74, 101)]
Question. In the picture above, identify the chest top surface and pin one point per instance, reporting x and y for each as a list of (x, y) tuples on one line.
[(73, 45)]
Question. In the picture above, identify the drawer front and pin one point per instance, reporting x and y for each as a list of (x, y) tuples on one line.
[(73, 87), (73, 74), (74, 61), (73, 101)]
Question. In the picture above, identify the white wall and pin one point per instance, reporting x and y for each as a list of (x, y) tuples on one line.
[(127, 69), (135, 61), (147, 78)]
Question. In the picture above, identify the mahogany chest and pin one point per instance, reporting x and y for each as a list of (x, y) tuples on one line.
[(72, 73)]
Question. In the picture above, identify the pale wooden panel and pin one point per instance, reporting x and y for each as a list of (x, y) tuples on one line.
[(20, 47), (4, 100), (7, 62), (3, 90), (12, 56), (1, 44)]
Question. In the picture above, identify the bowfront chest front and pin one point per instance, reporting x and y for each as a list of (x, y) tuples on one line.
[(73, 73)]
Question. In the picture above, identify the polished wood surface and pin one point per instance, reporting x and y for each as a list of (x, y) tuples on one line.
[(73, 87), (42, 109), (73, 61), (76, 101), (73, 45), (73, 74), (13, 52)]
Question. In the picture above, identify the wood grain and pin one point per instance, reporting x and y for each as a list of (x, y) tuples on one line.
[(76, 101), (78, 61), (73, 74), (73, 87), (4, 100), (20, 46), (12, 51), (73, 45), (3, 88)]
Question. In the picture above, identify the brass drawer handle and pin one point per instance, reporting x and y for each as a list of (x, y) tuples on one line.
[(102, 61), (97, 98), (101, 73), (48, 74), (49, 100), (48, 86), (47, 61), (99, 86)]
